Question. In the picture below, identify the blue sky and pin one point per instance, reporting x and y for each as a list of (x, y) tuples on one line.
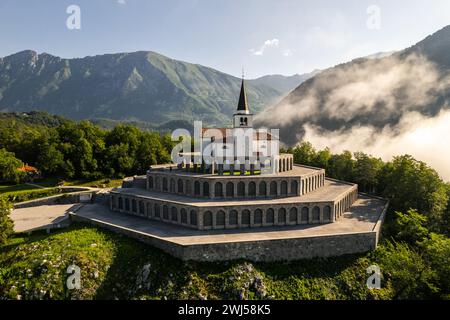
[(266, 37)]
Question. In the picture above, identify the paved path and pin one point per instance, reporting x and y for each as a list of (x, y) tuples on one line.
[(40, 217)]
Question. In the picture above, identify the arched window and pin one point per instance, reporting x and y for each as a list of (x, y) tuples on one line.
[(241, 189), (293, 215), (188, 187), (233, 219), (150, 182), (230, 189), (207, 219), (180, 186), (158, 183), (193, 218), (257, 219), (305, 214), (316, 214), (174, 214), (127, 204), (327, 213), (220, 218), (165, 184), (149, 209), (183, 215), (262, 188), (165, 212), (218, 190), (205, 189), (252, 189), (141, 207), (270, 216), (172, 185), (120, 203), (294, 187), (273, 188), (134, 205), (245, 218), (157, 211), (282, 216), (284, 188), (197, 188)]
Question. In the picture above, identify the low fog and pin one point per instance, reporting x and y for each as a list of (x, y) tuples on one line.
[(385, 107)]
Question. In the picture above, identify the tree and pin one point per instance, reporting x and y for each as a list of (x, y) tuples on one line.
[(410, 227), (304, 153), (9, 167), (6, 224), (409, 183), (340, 166), (322, 158), (366, 171)]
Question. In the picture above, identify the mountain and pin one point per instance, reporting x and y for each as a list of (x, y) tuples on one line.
[(378, 96), (139, 86), (284, 83)]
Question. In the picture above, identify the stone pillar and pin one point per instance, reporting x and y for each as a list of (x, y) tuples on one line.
[(252, 169), (213, 167), (235, 189)]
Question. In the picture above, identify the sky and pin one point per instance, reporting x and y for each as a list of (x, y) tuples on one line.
[(261, 36)]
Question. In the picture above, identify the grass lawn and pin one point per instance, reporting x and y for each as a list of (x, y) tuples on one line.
[(114, 266), (15, 188), (106, 183)]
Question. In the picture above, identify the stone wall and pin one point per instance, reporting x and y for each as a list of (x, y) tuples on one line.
[(263, 250)]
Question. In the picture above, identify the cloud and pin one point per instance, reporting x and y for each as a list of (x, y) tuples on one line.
[(422, 137), (385, 107), (287, 52), (267, 44), (121, 2)]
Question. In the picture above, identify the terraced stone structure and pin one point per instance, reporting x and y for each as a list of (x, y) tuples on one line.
[(236, 195)]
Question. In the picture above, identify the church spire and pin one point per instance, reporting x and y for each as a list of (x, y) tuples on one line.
[(242, 107)]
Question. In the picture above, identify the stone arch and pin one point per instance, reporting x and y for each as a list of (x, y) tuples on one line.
[(293, 215), (270, 216), (220, 218), (284, 188), (257, 217), (305, 214), (233, 218), (174, 214), (316, 214), (149, 209), (281, 216), (207, 219), (184, 217), (127, 204), (206, 189), (165, 212), (157, 210), (252, 189), (158, 183), (263, 188), (241, 189), (294, 187), (218, 189), (164, 184), (193, 217), (120, 203), (327, 213), (180, 186), (230, 189), (273, 188), (133, 205), (150, 182), (245, 218), (172, 185), (197, 188), (188, 187), (141, 208)]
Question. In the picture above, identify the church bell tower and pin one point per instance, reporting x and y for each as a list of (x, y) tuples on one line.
[(242, 118)]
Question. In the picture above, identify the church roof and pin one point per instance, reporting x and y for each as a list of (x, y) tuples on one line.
[(242, 104)]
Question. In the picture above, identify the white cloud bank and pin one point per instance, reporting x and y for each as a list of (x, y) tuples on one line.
[(267, 44)]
